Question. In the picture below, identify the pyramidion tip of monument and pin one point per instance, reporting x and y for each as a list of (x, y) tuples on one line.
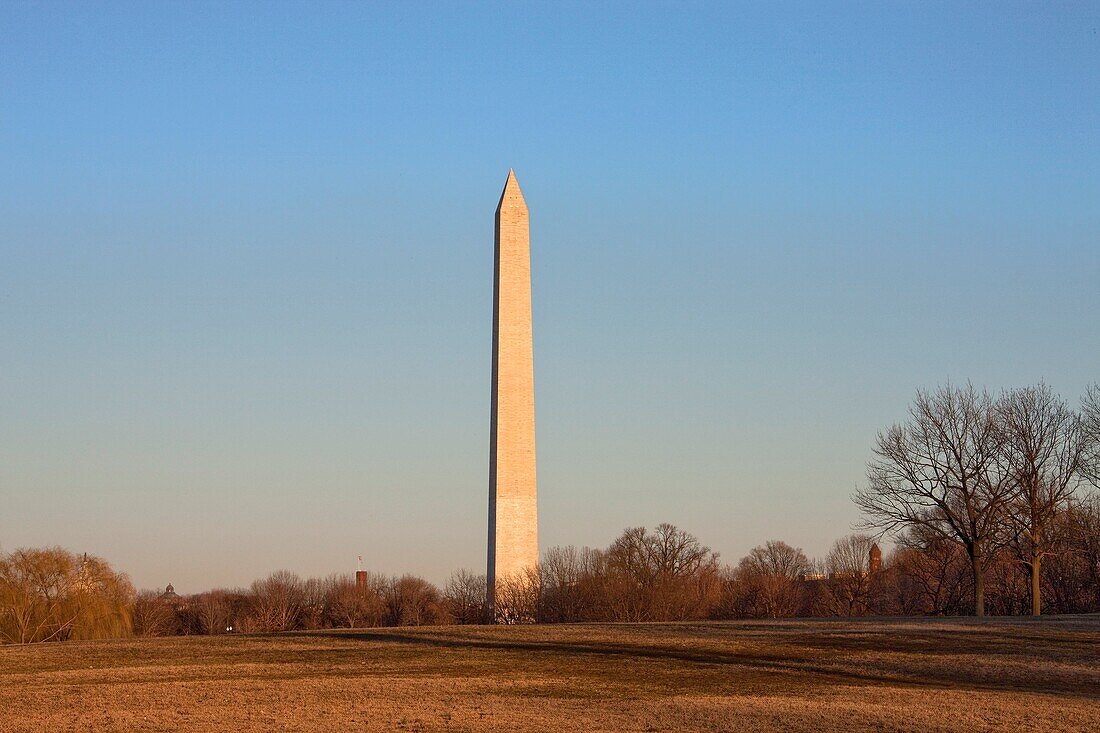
[(512, 193)]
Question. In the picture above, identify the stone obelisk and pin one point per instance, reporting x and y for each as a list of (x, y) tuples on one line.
[(513, 520)]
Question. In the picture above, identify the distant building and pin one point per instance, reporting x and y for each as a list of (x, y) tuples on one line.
[(360, 574), (874, 559), (84, 580)]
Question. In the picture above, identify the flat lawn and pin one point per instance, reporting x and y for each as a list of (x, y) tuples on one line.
[(811, 675)]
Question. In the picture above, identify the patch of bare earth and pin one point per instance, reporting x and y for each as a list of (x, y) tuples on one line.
[(813, 675)]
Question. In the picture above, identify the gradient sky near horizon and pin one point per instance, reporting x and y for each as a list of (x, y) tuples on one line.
[(246, 263)]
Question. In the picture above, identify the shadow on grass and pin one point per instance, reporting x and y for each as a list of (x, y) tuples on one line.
[(975, 641)]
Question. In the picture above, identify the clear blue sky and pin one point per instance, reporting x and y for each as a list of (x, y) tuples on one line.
[(246, 261)]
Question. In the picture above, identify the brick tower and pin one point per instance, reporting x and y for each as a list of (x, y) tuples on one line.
[(513, 519)]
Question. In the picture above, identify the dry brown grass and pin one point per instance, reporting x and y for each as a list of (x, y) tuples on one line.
[(895, 675)]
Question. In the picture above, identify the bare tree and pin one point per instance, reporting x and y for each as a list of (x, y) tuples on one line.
[(52, 595), (413, 601), (465, 597), (103, 598), (1040, 459), (152, 616), (517, 597), (937, 472), (212, 611), (848, 585), (666, 574), (34, 595), (355, 605), (1007, 591), (931, 573), (1090, 431), (277, 602), (1084, 521), (770, 577), (574, 585), (561, 570), (630, 575), (315, 597)]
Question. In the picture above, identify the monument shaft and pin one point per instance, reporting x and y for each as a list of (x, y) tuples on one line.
[(513, 520)]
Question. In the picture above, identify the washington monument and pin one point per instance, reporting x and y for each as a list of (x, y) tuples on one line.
[(513, 519)]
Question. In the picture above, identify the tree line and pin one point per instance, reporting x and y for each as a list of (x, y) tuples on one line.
[(992, 475), (663, 574), (987, 501)]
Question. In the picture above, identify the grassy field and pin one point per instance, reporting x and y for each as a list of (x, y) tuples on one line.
[(895, 675)]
